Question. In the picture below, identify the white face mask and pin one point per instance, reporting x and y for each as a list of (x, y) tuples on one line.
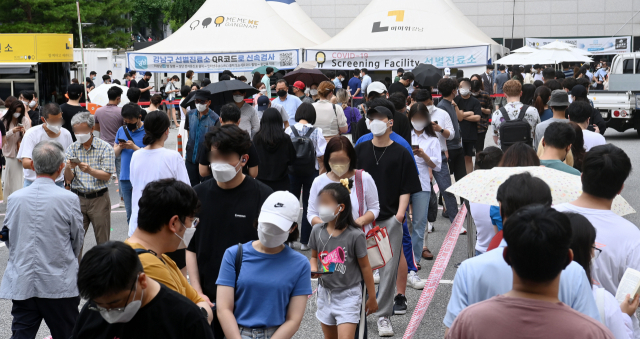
[(271, 236), (419, 125), (32, 103), (464, 92), (125, 315), (54, 128), (16, 115), (326, 213), (238, 98), (263, 91), (313, 92), (339, 169), (82, 138), (378, 127), (186, 237), (201, 107), (224, 172), (25, 102), (431, 108)]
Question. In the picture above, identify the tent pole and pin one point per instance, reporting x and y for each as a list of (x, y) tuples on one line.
[(84, 67)]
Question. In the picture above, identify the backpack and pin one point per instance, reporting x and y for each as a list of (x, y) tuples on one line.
[(305, 162), (516, 130), (352, 118)]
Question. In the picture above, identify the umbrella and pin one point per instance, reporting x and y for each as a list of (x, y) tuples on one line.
[(307, 64), (427, 75), (562, 45), (263, 69), (481, 186), (99, 95), (308, 76), (221, 92)]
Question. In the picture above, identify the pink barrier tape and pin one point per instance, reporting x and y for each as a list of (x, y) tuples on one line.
[(436, 273)]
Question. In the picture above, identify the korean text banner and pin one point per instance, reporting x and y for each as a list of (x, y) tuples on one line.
[(36, 47), (213, 62), (604, 45), (392, 60)]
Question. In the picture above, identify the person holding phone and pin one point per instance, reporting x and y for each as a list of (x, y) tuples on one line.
[(145, 89), (16, 123)]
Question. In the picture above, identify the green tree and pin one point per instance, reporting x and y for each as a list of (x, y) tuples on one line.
[(179, 11), (108, 18), (148, 13)]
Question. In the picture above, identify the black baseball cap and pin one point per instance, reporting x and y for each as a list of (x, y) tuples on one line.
[(378, 111), (579, 91), (75, 89), (203, 94), (263, 103)]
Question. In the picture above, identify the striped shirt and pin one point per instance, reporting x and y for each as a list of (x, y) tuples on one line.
[(99, 156)]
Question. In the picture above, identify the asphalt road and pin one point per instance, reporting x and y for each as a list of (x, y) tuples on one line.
[(431, 325)]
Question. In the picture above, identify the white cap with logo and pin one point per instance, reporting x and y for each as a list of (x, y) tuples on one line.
[(281, 209), (377, 87)]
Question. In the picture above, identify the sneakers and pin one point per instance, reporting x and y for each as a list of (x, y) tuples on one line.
[(430, 227), (384, 327), (304, 247), (376, 277), (121, 204), (414, 281), (399, 305), (463, 231)]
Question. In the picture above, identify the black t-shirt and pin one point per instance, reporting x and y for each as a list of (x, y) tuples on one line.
[(395, 175), (398, 87), (68, 111), (469, 129), (133, 84), (168, 315), (275, 160), (227, 217), (34, 115), (203, 158), (401, 125), (146, 95)]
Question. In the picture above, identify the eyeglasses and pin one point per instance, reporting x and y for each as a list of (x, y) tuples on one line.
[(94, 307), (596, 252)]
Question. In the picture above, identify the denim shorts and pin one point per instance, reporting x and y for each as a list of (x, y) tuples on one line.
[(257, 333), (337, 307)]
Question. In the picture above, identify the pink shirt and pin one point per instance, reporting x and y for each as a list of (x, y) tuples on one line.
[(110, 121)]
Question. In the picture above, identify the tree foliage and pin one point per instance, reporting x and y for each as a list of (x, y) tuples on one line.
[(179, 11), (108, 19), (148, 13)]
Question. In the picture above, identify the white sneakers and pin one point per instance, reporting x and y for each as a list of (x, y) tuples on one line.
[(304, 247), (430, 226), (376, 277), (384, 327), (414, 281), (121, 204), (463, 231)]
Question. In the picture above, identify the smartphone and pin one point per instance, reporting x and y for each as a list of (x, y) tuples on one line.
[(20, 125), (415, 147), (122, 141), (322, 273), (435, 122), (74, 160)]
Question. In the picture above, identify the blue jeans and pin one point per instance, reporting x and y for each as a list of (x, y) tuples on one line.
[(303, 183), (117, 162), (420, 203), (257, 333), (28, 183), (443, 178), (407, 248), (126, 189)]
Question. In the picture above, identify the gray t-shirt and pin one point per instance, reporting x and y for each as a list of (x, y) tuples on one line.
[(501, 78), (541, 127), (354, 246)]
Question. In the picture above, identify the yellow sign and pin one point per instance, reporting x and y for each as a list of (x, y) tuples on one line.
[(36, 47)]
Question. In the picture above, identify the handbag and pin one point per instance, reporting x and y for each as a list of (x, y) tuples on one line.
[(432, 213), (379, 249)]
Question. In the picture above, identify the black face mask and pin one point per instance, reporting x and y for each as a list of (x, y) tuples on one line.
[(282, 93), (132, 127)]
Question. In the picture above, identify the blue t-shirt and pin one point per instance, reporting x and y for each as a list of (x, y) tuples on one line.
[(395, 137), (290, 104), (354, 84), (266, 284), (546, 114), (125, 156), (496, 218)]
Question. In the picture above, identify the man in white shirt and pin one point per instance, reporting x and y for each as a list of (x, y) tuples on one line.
[(538, 73), (51, 129), (366, 80), (513, 90), (580, 113), (604, 171)]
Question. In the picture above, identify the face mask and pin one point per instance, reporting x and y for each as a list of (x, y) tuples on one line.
[(224, 172), (339, 169), (32, 104), (263, 91), (25, 102), (533, 70), (464, 92), (282, 93), (313, 92), (368, 123), (326, 213), (132, 127), (54, 128), (123, 316), (271, 236), (82, 138), (201, 107), (238, 98), (16, 115), (475, 94), (186, 237), (431, 108), (93, 78), (378, 127), (419, 125)]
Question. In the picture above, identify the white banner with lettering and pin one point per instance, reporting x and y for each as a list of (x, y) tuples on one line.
[(392, 60), (597, 46)]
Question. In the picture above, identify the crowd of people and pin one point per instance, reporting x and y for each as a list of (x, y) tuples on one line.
[(210, 250)]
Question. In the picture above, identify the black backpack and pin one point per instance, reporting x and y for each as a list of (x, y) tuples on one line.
[(516, 130), (305, 163)]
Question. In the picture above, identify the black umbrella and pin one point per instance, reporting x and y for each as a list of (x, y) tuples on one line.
[(307, 76), (427, 75), (222, 92)]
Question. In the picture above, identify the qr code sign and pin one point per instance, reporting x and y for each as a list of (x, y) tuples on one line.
[(286, 59)]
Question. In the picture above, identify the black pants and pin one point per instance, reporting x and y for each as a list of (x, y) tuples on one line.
[(456, 163), (480, 142), (298, 184), (193, 170), (60, 315)]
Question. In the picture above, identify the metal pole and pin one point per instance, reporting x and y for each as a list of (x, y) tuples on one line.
[(471, 232), (84, 67)]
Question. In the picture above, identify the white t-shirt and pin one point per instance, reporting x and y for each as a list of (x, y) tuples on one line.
[(151, 165), (32, 137), (318, 140), (592, 139), (482, 218), (444, 120), (370, 192), (431, 146), (619, 240), (620, 324)]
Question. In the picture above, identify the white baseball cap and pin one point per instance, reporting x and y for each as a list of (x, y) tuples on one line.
[(281, 209), (447, 71), (377, 87)]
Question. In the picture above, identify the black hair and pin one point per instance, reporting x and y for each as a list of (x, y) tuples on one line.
[(501, 68), (490, 66), (282, 81), (604, 171), (559, 135), (584, 82), (224, 77), (205, 82), (271, 132), (342, 73), (364, 70), (307, 112), (422, 95), (538, 83), (408, 76), (510, 193), (229, 139), (583, 236), (356, 72), (108, 71), (134, 94), (331, 74), (147, 74), (114, 93), (460, 73), (27, 95), (568, 83), (548, 73), (461, 80), (76, 92), (15, 105), (184, 91), (116, 81), (579, 111), (419, 109), (528, 91), (133, 73), (541, 97), (476, 85), (51, 109), (399, 101), (131, 111), (446, 86), (163, 199), (342, 196), (230, 113), (381, 102), (93, 72), (195, 85), (577, 147), (488, 158), (337, 144), (553, 84), (560, 74), (518, 155), (107, 269), (156, 124), (106, 77), (269, 70), (539, 239)]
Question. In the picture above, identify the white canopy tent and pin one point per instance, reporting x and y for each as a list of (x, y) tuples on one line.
[(524, 49), (553, 53), (292, 13), (392, 34), (238, 35)]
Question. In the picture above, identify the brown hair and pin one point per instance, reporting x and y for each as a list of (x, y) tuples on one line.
[(512, 88), (519, 155), (541, 97), (189, 74), (325, 88), (156, 100), (337, 144)]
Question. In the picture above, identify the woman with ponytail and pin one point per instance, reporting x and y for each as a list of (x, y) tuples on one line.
[(540, 100)]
